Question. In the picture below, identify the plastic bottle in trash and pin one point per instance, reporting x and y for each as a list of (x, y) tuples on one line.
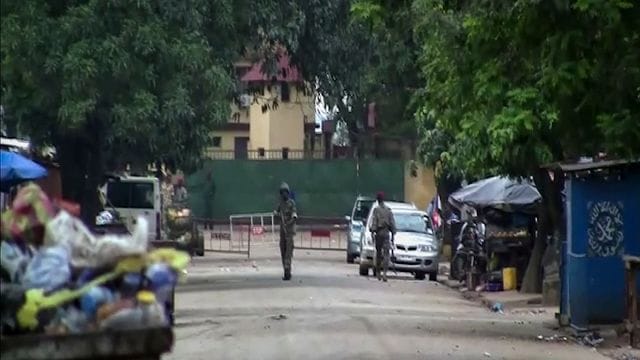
[(147, 313), (152, 312), (131, 284), (162, 280), (95, 298)]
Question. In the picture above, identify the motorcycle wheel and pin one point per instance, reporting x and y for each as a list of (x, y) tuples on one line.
[(458, 268)]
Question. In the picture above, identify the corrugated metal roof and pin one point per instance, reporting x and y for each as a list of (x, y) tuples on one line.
[(286, 72), (593, 165)]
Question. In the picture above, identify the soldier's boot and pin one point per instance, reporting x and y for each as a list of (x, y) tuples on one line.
[(384, 276), (287, 275)]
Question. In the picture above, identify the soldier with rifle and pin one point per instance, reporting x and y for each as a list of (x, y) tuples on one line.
[(286, 210), (383, 230)]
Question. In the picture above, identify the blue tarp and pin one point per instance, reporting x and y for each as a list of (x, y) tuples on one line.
[(15, 169)]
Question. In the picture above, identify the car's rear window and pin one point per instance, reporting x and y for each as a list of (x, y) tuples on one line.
[(362, 209), (132, 195)]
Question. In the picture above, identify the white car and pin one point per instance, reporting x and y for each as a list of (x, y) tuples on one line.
[(415, 245)]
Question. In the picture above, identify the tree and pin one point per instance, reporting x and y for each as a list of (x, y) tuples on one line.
[(353, 51), (516, 85), (111, 81)]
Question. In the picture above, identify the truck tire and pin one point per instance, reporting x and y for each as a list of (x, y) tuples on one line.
[(364, 270), (350, 258), (420, 276), (433, 276)]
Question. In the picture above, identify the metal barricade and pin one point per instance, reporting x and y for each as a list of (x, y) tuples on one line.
[(218, 237), (314, 233), (242, 231), (262, 226)]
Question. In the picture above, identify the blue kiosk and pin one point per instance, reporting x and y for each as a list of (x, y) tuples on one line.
[(603, 225)]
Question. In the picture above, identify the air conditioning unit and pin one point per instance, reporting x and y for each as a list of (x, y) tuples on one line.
[(245, 101)]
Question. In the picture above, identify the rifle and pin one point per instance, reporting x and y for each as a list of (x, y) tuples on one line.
[(392, 245)]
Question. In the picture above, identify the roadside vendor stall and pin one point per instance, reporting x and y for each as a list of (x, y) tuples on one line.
[(507, 208)]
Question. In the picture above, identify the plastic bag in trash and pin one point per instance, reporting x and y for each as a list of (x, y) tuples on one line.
[(26, 218), (88, 250), (14, 259), (49, 269), (104, 218)]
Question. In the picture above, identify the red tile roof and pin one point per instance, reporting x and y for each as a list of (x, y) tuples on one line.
[(286, 72)]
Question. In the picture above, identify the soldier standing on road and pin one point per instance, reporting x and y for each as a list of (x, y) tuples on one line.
[(383, 230), (287, 212)]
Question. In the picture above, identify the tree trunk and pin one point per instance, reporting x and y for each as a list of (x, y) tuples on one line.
[(72, 157), (550, 226), (82, 169)]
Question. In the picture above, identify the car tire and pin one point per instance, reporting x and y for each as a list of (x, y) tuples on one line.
[(420, 276), (350, 258), (433, 276), (364, 270)]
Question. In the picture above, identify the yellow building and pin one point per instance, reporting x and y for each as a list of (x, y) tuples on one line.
[(273, 118)]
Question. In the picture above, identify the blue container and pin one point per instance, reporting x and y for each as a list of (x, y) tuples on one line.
[(162, 279), (96, 297), (603, 223), (131, 284)]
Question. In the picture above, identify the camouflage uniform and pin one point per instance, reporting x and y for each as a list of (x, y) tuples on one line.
[(286, 211), (383, 226)]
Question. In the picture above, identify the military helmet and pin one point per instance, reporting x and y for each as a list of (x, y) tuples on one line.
[(284, 187)]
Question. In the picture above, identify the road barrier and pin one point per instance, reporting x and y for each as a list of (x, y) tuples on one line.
[(242, 231)]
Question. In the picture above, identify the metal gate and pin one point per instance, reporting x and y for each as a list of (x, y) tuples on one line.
[(242, 231), (315, 233), (218, 237)]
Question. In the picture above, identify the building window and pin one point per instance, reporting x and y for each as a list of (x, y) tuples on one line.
[(217, 141), (285, 153), (261, 152), (285, 95)]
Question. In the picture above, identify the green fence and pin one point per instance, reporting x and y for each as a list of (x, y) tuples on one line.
[(321, 188)]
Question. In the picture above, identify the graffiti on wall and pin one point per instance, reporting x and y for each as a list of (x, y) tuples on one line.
[(605, 233)]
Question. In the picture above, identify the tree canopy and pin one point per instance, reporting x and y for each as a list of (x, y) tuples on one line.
[(111, 80), (492, 87), (513, 85)]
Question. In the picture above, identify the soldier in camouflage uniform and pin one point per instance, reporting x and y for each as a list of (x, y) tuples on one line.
[(383, 229), (286, 211)]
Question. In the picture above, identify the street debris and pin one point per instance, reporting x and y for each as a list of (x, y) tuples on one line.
[(486, 354), (498, 308), (553, 338), (532, 312), (591, 339), (279, 317), (254, 265)]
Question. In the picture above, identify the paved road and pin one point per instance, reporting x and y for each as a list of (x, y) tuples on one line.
[(233, 308)]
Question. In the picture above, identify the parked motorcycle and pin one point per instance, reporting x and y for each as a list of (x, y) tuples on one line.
[(470, 256)]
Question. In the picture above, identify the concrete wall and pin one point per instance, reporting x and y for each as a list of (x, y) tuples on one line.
[(419, 184), (239, 115), (277, 128), (322, 188), (259, 126), (283, 126)]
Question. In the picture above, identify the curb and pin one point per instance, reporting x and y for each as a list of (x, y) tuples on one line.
[(479, 297)]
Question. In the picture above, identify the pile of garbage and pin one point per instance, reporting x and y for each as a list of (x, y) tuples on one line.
[(57, 277)]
